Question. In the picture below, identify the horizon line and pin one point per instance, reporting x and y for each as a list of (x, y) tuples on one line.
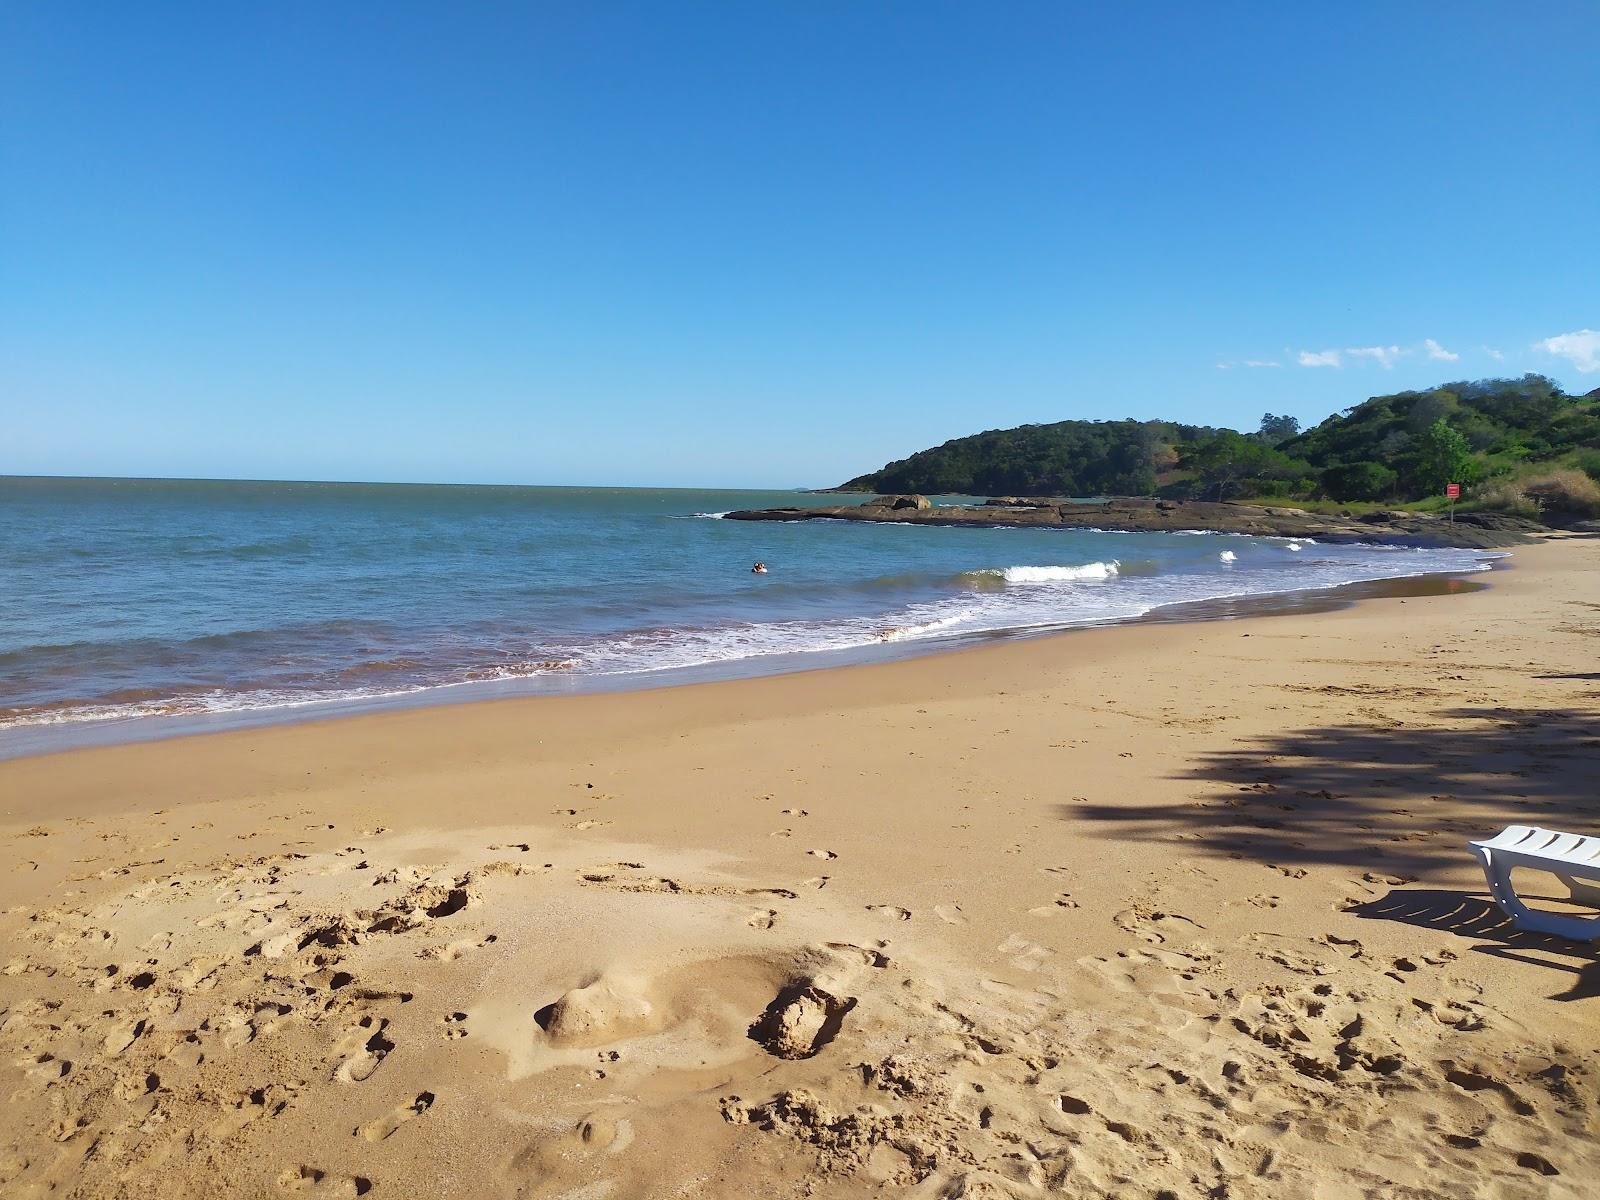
[(639, 487)]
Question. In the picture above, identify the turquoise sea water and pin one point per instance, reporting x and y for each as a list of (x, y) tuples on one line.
[(144, 600)]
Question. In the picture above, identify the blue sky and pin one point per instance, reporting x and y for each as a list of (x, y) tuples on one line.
[(771, 243)]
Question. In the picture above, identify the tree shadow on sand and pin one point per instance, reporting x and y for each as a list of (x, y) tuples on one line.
[(1395, 803), (1395, 799)]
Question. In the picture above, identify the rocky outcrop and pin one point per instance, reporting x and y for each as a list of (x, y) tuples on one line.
[(1395, 527), (899, 503)]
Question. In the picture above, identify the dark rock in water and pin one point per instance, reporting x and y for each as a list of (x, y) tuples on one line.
[(1384, 515), (899, 503), (1499, 521), (1020, 502), (1134, 515)]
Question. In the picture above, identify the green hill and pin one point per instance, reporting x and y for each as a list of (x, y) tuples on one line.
[(1065, 458), (1397, 448), (1502, 424)]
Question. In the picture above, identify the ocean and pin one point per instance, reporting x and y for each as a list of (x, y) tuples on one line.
[(143, 606)]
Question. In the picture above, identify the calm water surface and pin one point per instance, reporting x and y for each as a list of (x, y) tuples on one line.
[(143, 600)]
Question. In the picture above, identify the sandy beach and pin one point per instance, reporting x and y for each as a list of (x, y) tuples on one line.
[(1158, 910)]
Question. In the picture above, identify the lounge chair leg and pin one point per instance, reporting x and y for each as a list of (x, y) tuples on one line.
[(1498, 880), (1581, 890), (1577, 929)]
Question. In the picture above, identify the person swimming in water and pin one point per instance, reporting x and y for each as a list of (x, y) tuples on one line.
[(759, 569)]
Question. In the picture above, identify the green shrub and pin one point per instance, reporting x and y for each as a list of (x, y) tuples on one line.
[(1507, 498), (1588, 461), (1359, 481), (1564, 493)]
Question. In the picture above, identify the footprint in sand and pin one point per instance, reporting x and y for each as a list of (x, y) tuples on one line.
[(121, 1037), (316, 1182), (1062, 901), (455, 1025), (379, 1128), (822, 854), (269, 1101), (1025, 955), (187, 1053), (533, 1168), (1390, 880), (275, 946), (765, 918), (950, 914), (868, 956), (365, 1047), (795, 812), (892, 911), (44, 1069), (1152, 926), (455, 950)]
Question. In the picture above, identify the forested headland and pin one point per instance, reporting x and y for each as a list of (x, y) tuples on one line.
[(1518, 445)]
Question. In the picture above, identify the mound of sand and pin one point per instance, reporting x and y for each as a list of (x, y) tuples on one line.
[(606, 1010)]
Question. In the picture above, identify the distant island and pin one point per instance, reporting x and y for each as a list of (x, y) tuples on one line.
[(1518, 446)]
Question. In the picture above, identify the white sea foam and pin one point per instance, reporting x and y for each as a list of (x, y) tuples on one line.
[(1228, 556), (902, 633), (1082, 571), (1094, 570)]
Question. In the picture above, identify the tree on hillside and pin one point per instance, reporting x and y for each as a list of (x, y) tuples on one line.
[(1437, 405), (1359, 481), (1277, 429), (1444, 458), (1393, 444), (1224, 462)]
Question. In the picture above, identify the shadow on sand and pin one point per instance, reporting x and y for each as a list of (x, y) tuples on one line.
[(1396, 799), (1476, 917)]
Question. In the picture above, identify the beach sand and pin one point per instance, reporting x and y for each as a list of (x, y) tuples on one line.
[(1161, 910)]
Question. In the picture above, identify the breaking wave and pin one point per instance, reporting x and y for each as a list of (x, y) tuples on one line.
[(1074, 574)]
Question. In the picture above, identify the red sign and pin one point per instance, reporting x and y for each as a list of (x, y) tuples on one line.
[(1453, 490)]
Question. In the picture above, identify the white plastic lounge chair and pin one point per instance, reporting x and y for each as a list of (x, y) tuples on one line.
[(1565, 855)]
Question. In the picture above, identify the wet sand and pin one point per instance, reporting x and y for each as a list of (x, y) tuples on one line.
[(1160, 909)]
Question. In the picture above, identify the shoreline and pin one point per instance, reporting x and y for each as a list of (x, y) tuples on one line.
[(46, 738), (1180, 906)]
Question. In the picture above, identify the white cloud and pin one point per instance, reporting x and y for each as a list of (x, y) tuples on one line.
[(1320, 358), (1260, 362), (1494, 354), (1383, 355), (1437, 353), (1581, 348)]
